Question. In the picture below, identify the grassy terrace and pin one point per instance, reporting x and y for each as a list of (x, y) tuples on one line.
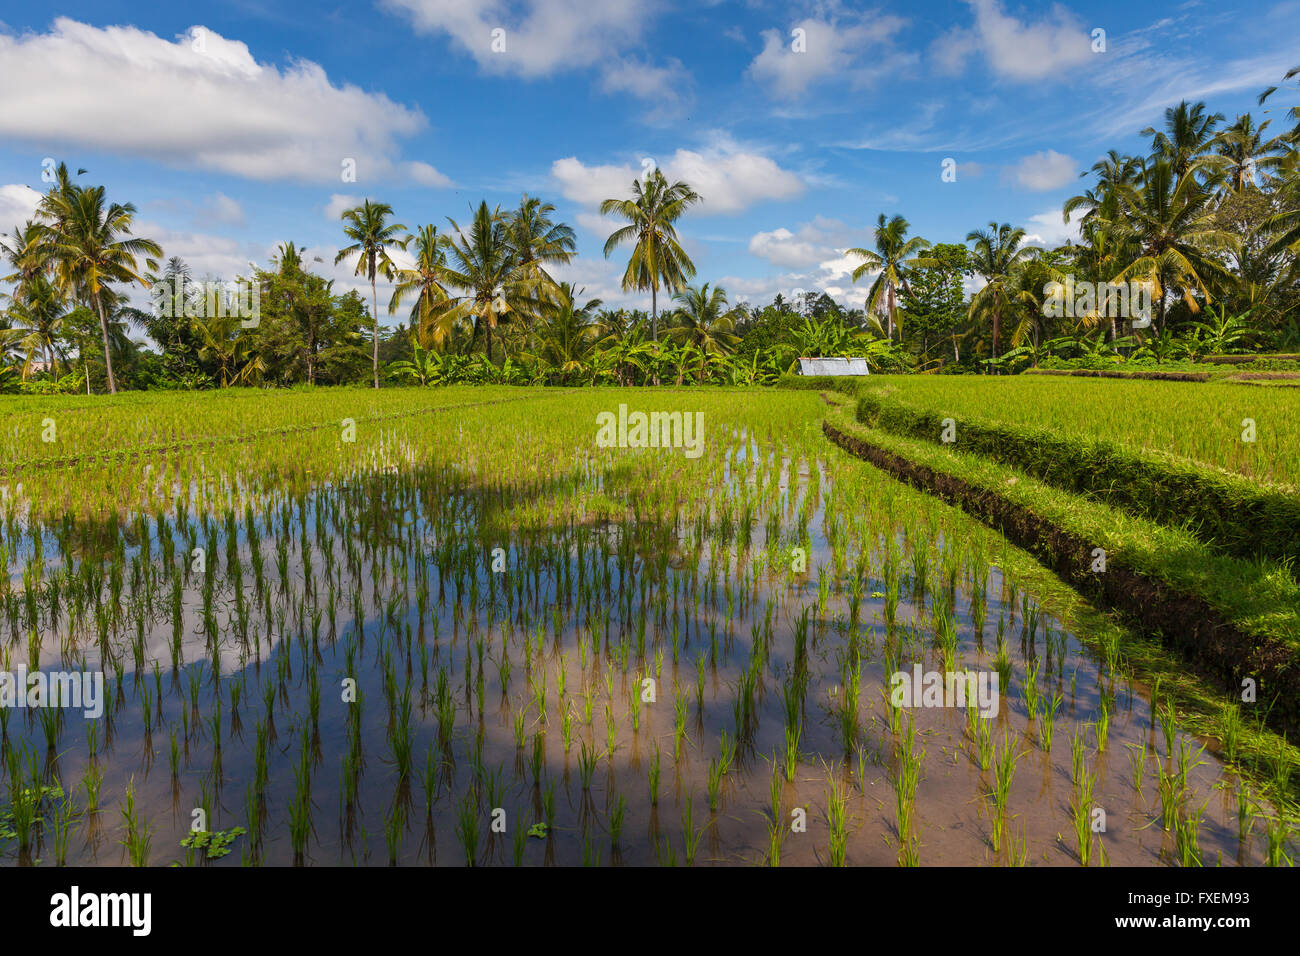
[(1200, 422)]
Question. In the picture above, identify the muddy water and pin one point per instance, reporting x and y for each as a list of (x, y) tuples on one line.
[(672, 631)]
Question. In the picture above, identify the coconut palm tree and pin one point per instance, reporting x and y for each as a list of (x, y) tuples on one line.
[(1169, 225), (425, 283), (893, 256), (25, 252), (657, 257), (538, 241), (1113, 172), (482, 264), (226, 343), (90, 244), (996, 254), (36, 319), (1294, 112), (372, 236), (1187, 137), (703, 322), (1244, 148), (568, 336)]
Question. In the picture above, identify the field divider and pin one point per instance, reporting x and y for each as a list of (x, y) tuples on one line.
[(1151, 375), (275, 431), (1218, 648), (1242, 517)]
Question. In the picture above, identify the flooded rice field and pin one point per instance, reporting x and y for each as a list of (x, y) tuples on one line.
[(485, 638)]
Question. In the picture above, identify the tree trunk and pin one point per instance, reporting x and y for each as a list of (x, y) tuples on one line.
[(108, 358), (890, 290), (374, 306), (997, 324), (654, 322)]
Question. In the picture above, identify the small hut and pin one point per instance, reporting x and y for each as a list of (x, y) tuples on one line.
[(833, 366)]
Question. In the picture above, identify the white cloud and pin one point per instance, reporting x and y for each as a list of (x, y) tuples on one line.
[(422, 174), (814, 50), (220, 208), (17, 205), (339, 203), (814, 242), (1046, 170), (600, 278), (1051, 48), (202, 101), (541, 37), (667, 89), (730, 179), (1048, 229)]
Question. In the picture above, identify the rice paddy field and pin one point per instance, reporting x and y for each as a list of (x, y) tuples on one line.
[(450, 627), (1202, 422)]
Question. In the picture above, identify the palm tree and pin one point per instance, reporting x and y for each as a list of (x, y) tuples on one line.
[(1188, 136), (36, 318), (997, 252), (1168, 222), (483, 265), (1113, 173), (90, 243), (657, 257), (425, 281), (893, 257), (538, 241), (1294, 112), (1243, 146), (25, 252), (703, 322), (226, 343), (372, 236), (568, 336)]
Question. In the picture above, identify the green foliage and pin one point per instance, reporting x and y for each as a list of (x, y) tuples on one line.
[(215, 844)]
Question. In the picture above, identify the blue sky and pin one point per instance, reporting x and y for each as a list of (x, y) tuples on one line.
[(228, 124)]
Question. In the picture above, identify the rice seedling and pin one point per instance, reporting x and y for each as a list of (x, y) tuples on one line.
[(1277, 832), (837, 817), (1137, 756), (587, 761), (617, 814), (1030, 691), (467, 829), (1049, 721), (690, 835), (137, 834), (1004, 773), (1186, 832)]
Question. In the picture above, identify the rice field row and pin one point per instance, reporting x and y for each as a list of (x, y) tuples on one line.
[(1254, 432)]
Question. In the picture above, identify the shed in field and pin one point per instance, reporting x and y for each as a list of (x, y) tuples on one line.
[(833, 366)]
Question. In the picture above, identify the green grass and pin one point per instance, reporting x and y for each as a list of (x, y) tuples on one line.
[(1200, 422)]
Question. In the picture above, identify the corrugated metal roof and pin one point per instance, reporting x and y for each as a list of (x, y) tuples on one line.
[(834, 366)]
